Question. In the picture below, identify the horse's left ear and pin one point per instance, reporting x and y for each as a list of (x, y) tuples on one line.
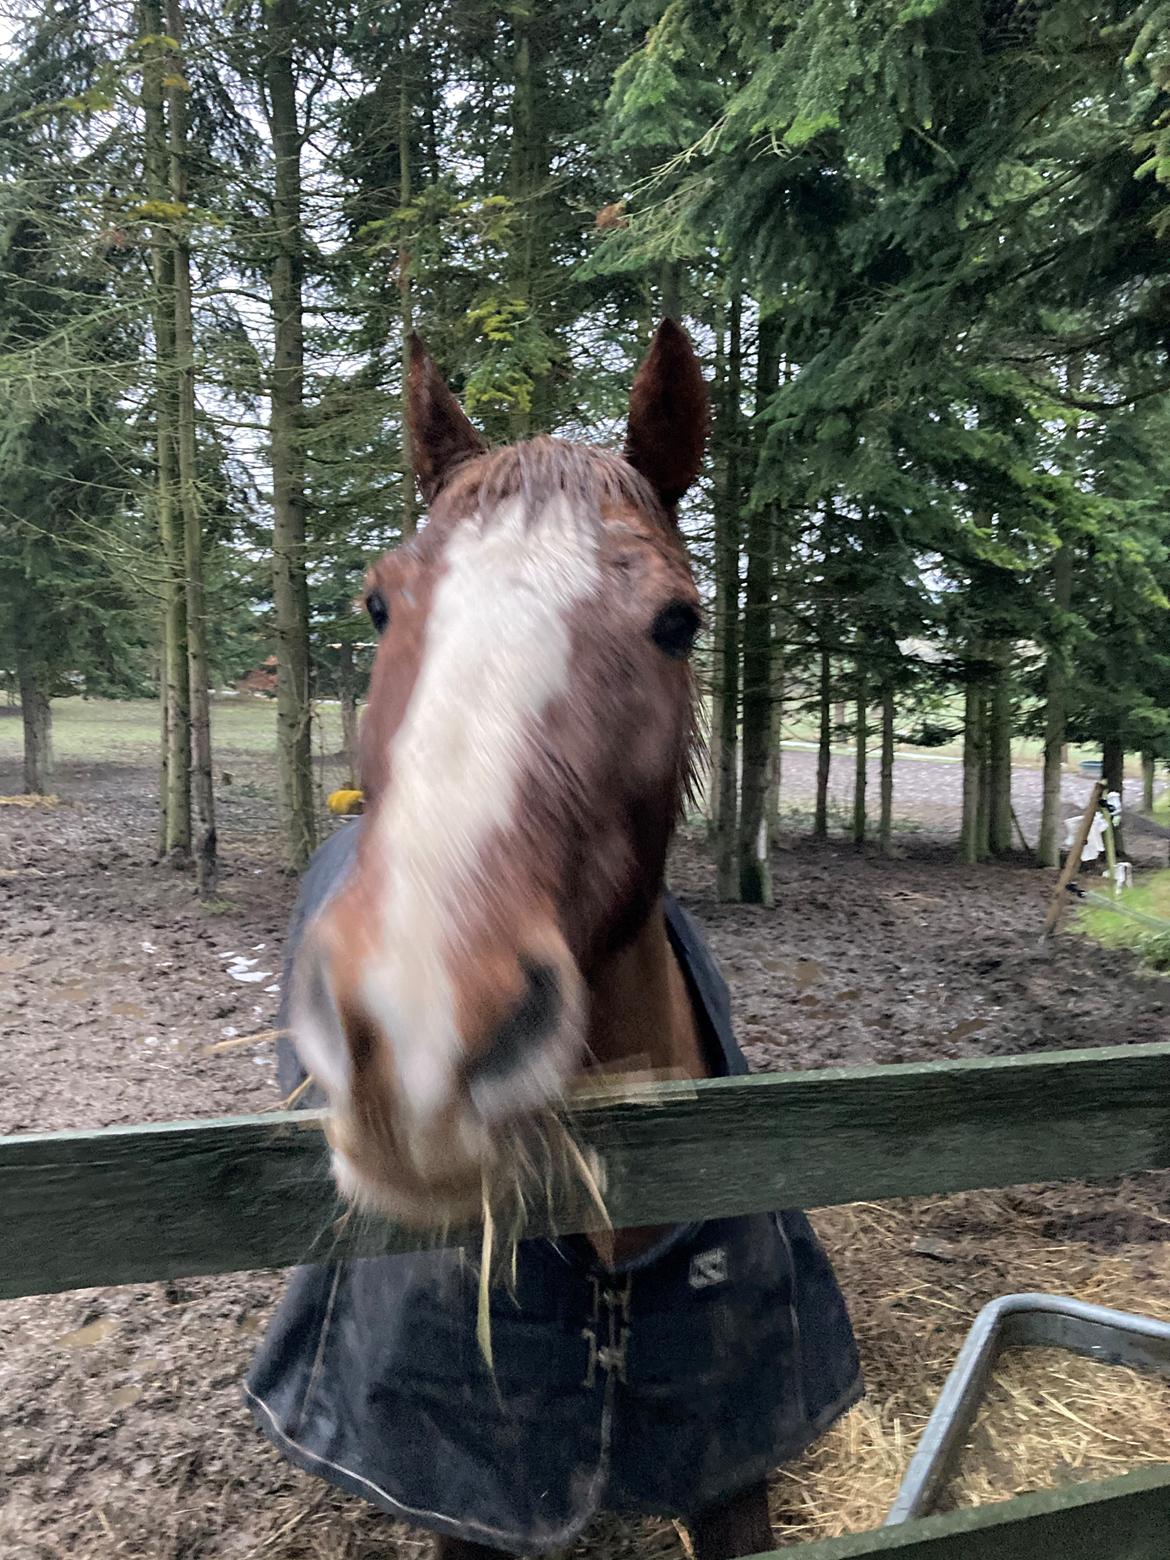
[(669, 415), (440, 434)]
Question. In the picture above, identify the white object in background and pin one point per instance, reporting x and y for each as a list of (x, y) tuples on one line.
[(1113, 802), (1122, 875), (1095, 843)]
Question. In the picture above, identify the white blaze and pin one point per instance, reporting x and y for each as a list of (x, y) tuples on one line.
[(495, 656)]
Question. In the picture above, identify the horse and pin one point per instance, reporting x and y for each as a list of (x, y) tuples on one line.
[(493, 928)]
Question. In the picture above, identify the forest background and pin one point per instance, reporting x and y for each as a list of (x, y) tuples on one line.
[(923, 247)]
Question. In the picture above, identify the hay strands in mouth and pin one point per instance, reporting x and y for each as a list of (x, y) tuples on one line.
[(565, 1161), (483, 1316)]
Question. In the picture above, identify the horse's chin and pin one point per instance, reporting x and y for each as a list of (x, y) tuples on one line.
[(426, 1180), (458, 1200)]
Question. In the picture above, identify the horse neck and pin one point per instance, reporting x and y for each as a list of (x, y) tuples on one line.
[(642, 1025), (641, 1020)]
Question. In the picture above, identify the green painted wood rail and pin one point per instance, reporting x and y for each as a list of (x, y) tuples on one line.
[(1124, 1519), (124, 1205)]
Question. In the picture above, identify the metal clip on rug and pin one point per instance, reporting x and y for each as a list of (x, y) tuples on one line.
[(1020, 1321)]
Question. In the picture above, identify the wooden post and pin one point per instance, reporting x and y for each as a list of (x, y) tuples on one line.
[(1028, 851), (1072, 861), (1111, 856), (1148, 775)]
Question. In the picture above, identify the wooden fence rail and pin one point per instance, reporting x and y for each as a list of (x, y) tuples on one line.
[(125, 1205)]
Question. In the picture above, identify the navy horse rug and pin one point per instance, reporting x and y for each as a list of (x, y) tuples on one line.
[(657, 1388)]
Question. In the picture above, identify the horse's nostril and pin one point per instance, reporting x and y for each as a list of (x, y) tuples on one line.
[(318, 1031), (516, 1037)]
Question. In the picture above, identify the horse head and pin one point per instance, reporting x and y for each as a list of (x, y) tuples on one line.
[(526, 751)]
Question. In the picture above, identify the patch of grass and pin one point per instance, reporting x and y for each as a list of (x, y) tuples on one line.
[(1156, 951), (799, 820), (126, 731), (251, 791), (1151, 896)]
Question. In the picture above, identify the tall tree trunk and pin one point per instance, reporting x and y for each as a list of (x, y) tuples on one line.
[(983, 818), (776, 740), (409, 501), (430, 108), (1055, 711), (176, 695), (1147, 782), (886, 821), (1113, 773), (860, 755), (715, 727), (1057, 663), (970, 843), (347, 692), (206, 848), (727, 606), (672, 290), (715, 737), (999, 755), (174, 689), (824, 746), (289, 575), (528, 184), (164, 742), (32, 678), (155, 157), (755, 872)]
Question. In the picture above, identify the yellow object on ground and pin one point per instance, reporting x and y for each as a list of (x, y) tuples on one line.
[(344, 804)]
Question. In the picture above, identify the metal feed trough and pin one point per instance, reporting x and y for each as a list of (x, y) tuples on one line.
[(1024, 1321)]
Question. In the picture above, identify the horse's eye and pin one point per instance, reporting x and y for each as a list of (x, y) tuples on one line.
[(675, 630), (379, 611)]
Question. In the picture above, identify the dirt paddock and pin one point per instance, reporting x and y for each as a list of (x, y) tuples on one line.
[(122, 1431)]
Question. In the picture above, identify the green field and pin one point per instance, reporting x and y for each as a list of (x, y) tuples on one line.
[(126, 731), (1151, 897), (115, 731)]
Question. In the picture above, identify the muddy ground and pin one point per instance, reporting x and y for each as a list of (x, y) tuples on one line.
[(122, 1431)]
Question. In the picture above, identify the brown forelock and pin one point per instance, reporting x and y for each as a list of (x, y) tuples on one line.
[(592, 480)]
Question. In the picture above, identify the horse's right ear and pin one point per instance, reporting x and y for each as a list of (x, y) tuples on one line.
[(667, 431), (440, 434)]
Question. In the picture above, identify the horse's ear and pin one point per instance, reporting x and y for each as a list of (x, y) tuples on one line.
[(669, 415), (440, 434)]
